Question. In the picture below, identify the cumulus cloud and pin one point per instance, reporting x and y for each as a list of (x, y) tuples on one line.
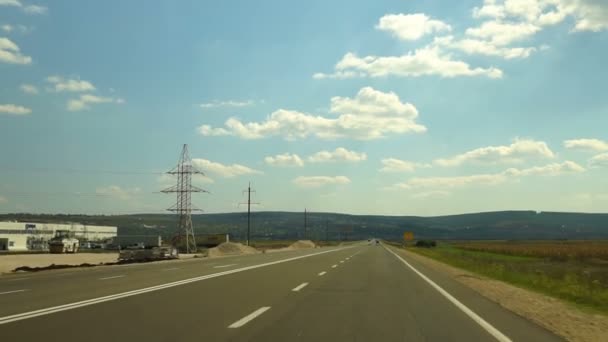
[(285, 160), (339, 154), (229, 103), (482, 47), (61, 84), (29, 89), (371, 114), (226, 171), (35, 9), (11, 109), (117, 192), (587, 144), (29, 9), (431, 194), (600, 160), (517, 152), (397, 165), (10, 53), (85, 101), (411, 26), (553, 169), (588, 15), (319, 181), (427, 61)]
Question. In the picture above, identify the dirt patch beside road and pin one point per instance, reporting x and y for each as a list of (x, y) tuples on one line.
[(300, 244), (562, 318), (10, 262)]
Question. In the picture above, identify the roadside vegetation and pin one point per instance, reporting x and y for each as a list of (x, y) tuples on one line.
[(576, 271)]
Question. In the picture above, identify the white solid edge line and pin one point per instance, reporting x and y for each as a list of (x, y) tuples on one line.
[(322, 273), (475, 317), (249, 317), (70, 306), (299, 287), (15, 291), (113, 277)]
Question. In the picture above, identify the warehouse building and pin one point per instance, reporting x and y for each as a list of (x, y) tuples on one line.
[(23, 236)]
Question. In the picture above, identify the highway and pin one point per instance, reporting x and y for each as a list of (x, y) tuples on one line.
[(354, 293)]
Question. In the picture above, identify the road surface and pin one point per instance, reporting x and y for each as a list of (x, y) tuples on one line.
[(353, 293)]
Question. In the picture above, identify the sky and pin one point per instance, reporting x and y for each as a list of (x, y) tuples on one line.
[(390, 107)]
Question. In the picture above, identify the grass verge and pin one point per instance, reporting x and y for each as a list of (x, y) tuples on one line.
[(582, 282)]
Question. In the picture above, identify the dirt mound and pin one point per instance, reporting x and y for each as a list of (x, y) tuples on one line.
[(302, 244), (230, 248)]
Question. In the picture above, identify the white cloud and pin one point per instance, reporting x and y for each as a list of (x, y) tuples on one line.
[(29, 89), (503, 33), (12, 109), (371, 114), (61, 84), (431, 194), (226, 171), (411, 26), (14, 3), (600, 160), (517, 152), (117, 192), (229, 103), (588, 15), (554, 169), (397, 165), (85, 101), (19, 28), (482, 47), (285, 160), (587, 144), (3, 200), (318, 181), (427, 61), (339, 154), (35, 9), (7, 28), (10, 53), (29, 9)]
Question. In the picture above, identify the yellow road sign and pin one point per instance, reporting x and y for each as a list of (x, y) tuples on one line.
[(408, 236)]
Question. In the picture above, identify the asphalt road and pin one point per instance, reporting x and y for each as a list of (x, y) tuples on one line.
[(356, 293)]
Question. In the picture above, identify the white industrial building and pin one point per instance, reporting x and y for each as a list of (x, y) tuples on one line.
[(23, 236)]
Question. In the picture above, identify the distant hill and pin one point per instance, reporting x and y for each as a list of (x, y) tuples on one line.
[(510, 225)]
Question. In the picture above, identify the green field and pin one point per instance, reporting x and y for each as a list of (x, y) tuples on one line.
[(575, 271)]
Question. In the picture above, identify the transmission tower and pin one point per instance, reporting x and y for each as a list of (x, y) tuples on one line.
[(183, 207), (249, 203)]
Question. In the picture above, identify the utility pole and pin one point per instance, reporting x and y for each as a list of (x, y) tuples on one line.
[(183, 207), (249, 203)]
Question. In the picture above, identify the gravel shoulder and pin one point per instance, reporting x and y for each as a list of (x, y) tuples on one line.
[(564, 319), (10, 262)]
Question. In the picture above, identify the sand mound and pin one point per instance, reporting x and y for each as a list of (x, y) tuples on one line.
[(230, 248), (302, 244)]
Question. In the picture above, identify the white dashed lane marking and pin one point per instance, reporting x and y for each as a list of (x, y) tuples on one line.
[(249, 317), (299, 287)]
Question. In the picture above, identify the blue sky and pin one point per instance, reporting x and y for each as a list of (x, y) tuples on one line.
[(379, 107)]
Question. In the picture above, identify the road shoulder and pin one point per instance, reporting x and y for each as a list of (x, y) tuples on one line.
[(557, 316)]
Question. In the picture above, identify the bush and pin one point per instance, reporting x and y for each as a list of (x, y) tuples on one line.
[(426, 243)]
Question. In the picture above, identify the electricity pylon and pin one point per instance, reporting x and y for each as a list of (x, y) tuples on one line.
[(183, 207)]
